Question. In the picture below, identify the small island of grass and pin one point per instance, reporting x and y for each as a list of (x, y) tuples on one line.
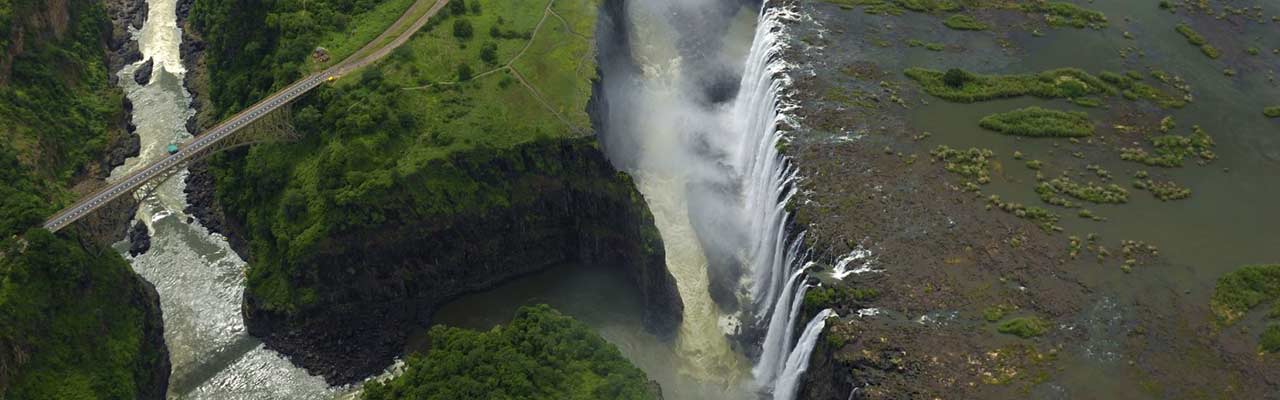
[(1024, 327), (1272, 112), (963, 22), (1040, 122)]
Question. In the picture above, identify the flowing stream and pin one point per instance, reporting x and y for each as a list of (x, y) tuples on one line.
[(199, 278)]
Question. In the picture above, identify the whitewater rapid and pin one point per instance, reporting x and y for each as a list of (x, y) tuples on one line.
[(199, 278)]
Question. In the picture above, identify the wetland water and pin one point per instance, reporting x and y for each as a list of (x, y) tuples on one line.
[(1229, 221)]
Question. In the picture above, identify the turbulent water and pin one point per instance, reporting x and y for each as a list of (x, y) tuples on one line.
[(706, 157), (199, 278)]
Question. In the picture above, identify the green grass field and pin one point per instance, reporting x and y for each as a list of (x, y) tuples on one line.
[(378, 142)]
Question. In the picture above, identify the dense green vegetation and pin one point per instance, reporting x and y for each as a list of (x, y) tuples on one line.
[(1024, 327), (72, 322), (1040, 122), (1271, 112), (385, 145), (542, 354), (965, 87), (71, 313), (1059, 14), (256, 48), (1170, 151), (964, 23), (972, 163), (1244, 289), (1091, 192), (832, 296), (931, 46)]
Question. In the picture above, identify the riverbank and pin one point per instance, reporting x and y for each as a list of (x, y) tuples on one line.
[(948, 281)]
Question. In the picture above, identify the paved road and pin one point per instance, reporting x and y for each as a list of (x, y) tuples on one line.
[(225, 129)]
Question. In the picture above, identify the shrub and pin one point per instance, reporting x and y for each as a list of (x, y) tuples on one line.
[(1272, 112), (1270, 339), (1050, 84), (956, 77), (1241, 290), (1040, 122), (489, 53), (462, 29), (1066, 14), (1024, 327), (964, 23)]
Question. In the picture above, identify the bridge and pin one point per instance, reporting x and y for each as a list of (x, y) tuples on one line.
[(214, 139)]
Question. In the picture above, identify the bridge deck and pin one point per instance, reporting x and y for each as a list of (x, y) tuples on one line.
[(225, 129)]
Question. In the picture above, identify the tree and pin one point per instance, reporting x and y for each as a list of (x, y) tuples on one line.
[(457, 7), (464, 72), (489, 53), (956, 77), (462, 29)]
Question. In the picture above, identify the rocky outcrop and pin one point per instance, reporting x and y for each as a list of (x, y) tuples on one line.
[(202, 204), (121, 48), (142, 75), (152, 375), (139, 239), (374, 286)]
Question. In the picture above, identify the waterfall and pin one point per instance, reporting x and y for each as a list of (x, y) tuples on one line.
[(778, 266), (798, 361)]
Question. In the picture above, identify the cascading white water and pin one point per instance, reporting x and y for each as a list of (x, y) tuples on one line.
[(798, 361), (778, 268)]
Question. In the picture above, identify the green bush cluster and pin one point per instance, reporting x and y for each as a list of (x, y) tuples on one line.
[(1269, 341), (1165, 191), (972, 163), (997, 312), (1024, 327), (1244, 289), (1040, 122), (1194, 38), (1043, 218), (832, 296), (965, 87), (931, 46), (541, 354), (1170, 151), (1090, 192), (1271, 112), (964, 22), (1058, 83), (1066, 14), (929, 5)]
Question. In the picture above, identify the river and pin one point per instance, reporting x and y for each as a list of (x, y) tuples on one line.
[(199, 278)]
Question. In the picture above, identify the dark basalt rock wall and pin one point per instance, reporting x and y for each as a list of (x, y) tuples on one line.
[(375, 286)]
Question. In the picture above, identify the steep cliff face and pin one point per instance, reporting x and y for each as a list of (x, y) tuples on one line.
[(385, 209), (560, 202), (75, 321)]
